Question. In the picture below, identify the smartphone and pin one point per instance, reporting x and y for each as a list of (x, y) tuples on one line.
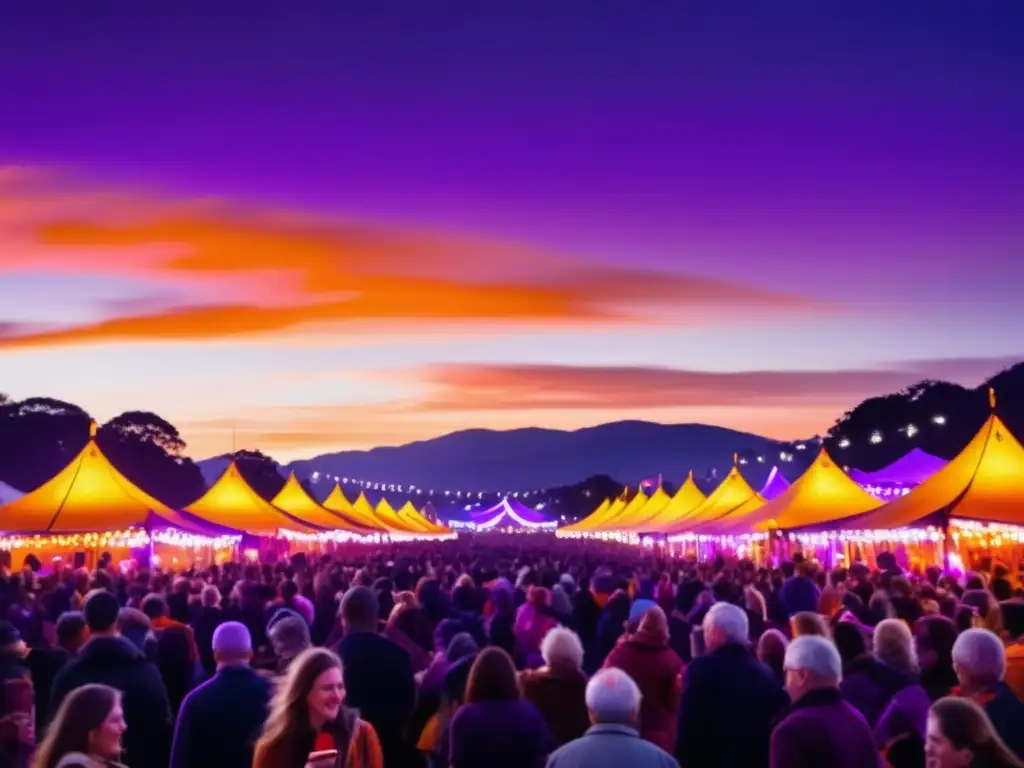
[(322, 757)]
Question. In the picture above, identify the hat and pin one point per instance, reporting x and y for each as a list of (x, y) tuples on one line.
[(232, 638), (639, 608), (9, 634)]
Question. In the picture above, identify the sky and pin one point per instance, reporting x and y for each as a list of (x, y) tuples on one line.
[(306, 227)]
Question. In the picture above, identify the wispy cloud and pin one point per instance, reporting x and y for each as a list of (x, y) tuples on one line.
[(251, 272)]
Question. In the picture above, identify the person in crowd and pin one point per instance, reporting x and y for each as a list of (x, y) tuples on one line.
[(534, 620), (610, 627), (109, 659), (1013, 626), (177, 655), (220, 720), (86, 731), (806, 623), (496, 728), (960, 735), (500, 625), (436, 737), (17, 699), (136, 628), (771, 651), (408, 627), (379, 679), (159, 613), (289, 637), (935, 636), (907, 710), (646, 657), (980, 662), (726, 692), (613, 702), (557, 688), (45, 662), (820, 728), (799, 593), (308, 724), (209, 617)]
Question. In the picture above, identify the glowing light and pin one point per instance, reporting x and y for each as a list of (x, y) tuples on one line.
[(876, 437), (844, 443), (911, 430), (940, 420)]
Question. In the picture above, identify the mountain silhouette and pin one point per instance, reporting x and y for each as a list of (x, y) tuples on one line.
[(480, 459)]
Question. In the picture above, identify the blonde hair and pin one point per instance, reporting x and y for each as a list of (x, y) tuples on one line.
[(807, 623)]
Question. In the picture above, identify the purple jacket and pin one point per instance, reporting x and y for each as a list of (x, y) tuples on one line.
[(499, 734), (821, 729), (907, 713), (869, 686)]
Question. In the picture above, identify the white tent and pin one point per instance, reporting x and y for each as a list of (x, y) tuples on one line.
[(8, 494)]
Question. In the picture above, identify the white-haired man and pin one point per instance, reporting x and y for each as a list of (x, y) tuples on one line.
[(820, 729), (613, 741), (730, 700), (979, 659)]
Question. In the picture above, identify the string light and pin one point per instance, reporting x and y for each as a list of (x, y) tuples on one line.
[(193, 541), (130, 538), (940, 420)]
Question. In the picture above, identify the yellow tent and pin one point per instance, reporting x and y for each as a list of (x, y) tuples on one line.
[(622, 521), (984, 483), (822, 494), (654, 506), (605, 510), (294, 500), (386, 512), (409, 513), (733, 496), (232, 503), (88, 496), (687, 499), (341, 506), (364, 508)]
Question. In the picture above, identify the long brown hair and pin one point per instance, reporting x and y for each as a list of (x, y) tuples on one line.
[(967, 726), (492, 677), (288, 722), (81, 713)]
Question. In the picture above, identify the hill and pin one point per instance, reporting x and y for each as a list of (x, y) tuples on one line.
[(481, 459)]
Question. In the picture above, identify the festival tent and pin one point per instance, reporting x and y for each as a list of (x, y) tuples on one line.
[(365, 510), (654, 507), (983, 483), (623, 520), (231, 503), (408, 512), (87, 496), (775, 485), (733, 496), (606, 510), (8, 494), (337, 503), (911, 469), (686, 499), (509, 513), (823, 493), (294, 500), (414, 524)]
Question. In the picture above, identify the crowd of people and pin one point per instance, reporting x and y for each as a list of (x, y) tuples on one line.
[(490, 654)]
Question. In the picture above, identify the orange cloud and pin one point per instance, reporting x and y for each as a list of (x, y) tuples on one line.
[(257, 272)]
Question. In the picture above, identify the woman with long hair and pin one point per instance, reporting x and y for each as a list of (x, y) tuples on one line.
[(309, 724), (960, 735), (86, 732), (496, 727)]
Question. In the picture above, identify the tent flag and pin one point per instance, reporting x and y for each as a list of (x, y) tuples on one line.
[(983, 483), (89, 496), (231, 503)]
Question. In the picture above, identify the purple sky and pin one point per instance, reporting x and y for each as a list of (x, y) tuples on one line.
[(869, 158)]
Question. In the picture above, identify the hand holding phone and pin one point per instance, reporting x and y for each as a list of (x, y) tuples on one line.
[(325, 758)]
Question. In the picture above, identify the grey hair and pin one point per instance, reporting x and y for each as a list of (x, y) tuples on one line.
[(612, 696), (981, 653), (815, 654), (894, 645), (561, 647), (731, 620)]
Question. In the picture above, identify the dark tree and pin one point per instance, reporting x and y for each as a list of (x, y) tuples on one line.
[(39, 436), (149, 451), (260, 472)]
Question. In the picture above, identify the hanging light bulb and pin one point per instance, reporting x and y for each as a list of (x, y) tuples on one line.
[(911, 430), (876, 437), (940, 419), (844, 443)]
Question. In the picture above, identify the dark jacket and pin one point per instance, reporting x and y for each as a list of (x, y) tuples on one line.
[(499, 734), (16, 725), (799, 594), (1006, 712), (206, 624), (869, 686), (221, 720), (379, 683), (730, 703), (114, 661), (656, 670), (560, 697), (821, 729)]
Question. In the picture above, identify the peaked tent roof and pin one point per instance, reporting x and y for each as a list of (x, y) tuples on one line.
[(231, 503), (409, 512), (984, 482), (623, 519), (294, 500), (658, 501), (339, 504), (687, 499), (912, 468), (606, 510), (88, 496), (733, 496), (8, 493), (516, 514), (823, 493), (365, 510), (775, 485)]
